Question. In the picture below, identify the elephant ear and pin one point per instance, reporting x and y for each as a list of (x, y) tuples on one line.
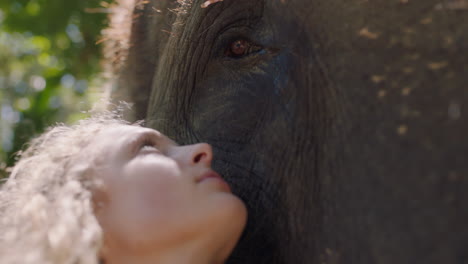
[(137, 34)]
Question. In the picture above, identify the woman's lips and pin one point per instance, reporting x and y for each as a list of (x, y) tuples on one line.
[(215, 177)]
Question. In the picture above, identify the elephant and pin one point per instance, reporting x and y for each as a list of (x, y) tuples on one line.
[(341, 124)]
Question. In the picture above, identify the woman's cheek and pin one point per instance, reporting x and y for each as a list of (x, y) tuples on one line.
[(156, 185), (140, 208), (153, 166)]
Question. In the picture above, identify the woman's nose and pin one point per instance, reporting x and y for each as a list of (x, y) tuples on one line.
[(201, 153)]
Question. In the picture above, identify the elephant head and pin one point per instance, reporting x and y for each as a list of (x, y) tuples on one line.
[(340, 124)]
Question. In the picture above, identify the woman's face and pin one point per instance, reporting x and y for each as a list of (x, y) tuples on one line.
[(155, 194)]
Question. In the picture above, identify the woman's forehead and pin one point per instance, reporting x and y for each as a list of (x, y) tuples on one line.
[(128, 130)]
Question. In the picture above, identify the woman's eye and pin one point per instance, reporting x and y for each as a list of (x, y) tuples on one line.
[(148, 149), (241, 48), (148, 145)]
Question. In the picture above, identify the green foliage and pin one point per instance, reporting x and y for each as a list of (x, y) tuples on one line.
[(48, 60)]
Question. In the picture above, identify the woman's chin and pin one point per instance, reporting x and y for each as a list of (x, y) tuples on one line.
[(234, 221)]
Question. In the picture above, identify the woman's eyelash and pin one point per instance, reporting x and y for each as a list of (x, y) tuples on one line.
[(146, 142)]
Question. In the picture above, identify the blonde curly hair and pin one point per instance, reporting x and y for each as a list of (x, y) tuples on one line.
[(46, 205)]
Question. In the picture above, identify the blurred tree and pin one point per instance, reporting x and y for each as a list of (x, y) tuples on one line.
[(48, 60)]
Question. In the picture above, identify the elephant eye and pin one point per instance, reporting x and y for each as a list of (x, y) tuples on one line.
[(241, 48)]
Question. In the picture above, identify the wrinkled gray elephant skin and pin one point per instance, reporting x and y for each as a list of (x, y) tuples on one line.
[(342, 124)]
